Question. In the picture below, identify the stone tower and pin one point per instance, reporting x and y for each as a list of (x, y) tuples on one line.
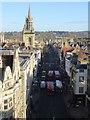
[(28, 31)]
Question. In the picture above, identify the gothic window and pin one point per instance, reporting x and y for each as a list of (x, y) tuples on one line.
[(30, 41), (35, 55), (10, 104), (10, 99)]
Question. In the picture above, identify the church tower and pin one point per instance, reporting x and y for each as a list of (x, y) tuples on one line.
[(28, 31)]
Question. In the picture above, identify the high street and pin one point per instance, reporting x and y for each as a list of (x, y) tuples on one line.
[(49, 106)]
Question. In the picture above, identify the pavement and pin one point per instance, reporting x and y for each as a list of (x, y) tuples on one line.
[(75, 112)]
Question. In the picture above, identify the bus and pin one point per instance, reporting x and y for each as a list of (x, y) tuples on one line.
[(50, 88)]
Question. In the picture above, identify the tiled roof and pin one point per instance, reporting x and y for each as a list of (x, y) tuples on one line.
[(67, 49), (83, 56)]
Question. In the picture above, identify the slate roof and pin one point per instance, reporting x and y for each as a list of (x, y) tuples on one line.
[(81, 66)]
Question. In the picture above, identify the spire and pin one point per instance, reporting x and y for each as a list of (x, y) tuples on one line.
[(29, 14)]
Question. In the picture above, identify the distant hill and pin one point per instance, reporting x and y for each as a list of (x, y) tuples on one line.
[(13, 35), (40, 36)]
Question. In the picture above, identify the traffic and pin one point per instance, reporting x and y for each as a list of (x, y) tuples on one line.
[(48, 88), (50, 77)]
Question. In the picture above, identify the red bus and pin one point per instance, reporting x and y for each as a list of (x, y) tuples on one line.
[(50, 88)]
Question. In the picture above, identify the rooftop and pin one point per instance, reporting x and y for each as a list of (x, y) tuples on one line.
[(81, 66)]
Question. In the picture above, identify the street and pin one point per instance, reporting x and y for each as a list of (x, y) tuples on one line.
[(49, 106)]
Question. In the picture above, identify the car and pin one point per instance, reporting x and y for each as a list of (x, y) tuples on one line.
[(57, 74), (35, 83), (42, 84), (58, 87), (50, 75), (50, 88), (43, 78), (43, 73)]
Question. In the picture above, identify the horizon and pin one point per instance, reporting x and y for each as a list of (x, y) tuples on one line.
[(46, 16), (46, 31)]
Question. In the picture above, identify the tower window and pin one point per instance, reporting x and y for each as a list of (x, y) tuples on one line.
[(30, 41)]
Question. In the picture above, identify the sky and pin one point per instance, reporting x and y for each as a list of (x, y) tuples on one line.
[(47, 16)]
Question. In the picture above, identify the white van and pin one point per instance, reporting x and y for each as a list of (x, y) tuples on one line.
[(42, 84), (59, 86)]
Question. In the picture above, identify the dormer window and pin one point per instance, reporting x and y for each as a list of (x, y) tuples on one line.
[(81, 78), (81, 70)]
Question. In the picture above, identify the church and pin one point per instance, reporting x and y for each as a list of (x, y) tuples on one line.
[(28, 31)]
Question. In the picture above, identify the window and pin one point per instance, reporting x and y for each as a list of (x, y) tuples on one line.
[(10, 99), (5, 107), (8, 84), (10, 104), (81, 70), (88, 72), (5, 101), (7, 77), (35, 55), (0, 107), (81, 78), (81, 89), (30, 41), (14, 77)]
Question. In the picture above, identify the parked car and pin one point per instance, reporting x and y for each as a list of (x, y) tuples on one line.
[(43, 78), (43, 73), (42, 84), (50, 88), (50, 75), (58, 87), (57, 74)]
